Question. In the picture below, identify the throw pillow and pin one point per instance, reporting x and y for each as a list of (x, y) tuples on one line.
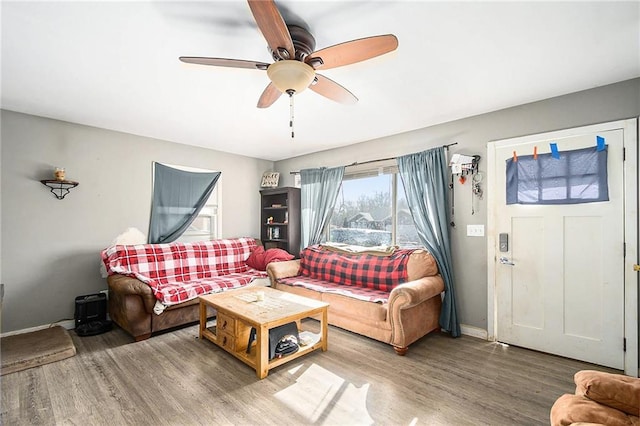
[(260, 258), (615, 390), (256, 259), (276, 255)]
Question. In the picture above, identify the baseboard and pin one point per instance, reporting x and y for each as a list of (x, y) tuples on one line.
[(68, 324), (469, 330)]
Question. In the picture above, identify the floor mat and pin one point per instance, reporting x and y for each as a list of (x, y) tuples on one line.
[(27, 350)]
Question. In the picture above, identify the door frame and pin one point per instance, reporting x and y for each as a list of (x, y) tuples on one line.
[(631, 184)]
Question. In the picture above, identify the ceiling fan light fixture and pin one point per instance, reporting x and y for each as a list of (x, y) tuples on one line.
[(290, 75)]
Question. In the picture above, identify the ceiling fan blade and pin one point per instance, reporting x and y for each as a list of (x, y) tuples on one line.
[(352, 51), (223, 62), (332, 90), (273, 27), (269, 96)]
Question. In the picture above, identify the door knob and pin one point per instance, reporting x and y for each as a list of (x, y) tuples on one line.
[(636, 268), (506, 261)]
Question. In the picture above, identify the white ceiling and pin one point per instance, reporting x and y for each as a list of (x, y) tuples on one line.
[(115, 65)]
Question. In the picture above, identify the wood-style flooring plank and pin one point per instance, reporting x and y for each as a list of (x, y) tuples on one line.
[(176, 379)]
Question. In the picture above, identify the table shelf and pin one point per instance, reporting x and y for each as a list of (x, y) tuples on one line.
[(239, 315)]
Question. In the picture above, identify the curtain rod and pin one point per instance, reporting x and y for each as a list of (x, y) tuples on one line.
[(381, 159)]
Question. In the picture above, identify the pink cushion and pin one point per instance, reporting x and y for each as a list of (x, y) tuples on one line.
[(276, 255), (260, 258), (256, 259)]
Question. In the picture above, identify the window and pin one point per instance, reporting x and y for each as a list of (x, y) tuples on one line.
[(208, 224), (577, 176), (372, 210)]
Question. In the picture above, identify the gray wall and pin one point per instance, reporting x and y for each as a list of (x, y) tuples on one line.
[(50, 248), (608, 103)]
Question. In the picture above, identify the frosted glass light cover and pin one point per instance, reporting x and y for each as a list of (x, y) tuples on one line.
[(290, 75)]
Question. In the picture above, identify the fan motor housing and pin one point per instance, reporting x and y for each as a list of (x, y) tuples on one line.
[(303, 43)]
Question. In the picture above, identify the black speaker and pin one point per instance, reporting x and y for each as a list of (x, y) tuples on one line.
[(91, 314)]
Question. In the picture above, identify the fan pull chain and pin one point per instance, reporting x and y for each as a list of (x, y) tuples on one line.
[(291, 113)]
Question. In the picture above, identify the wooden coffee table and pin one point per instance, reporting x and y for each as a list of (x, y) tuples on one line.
[(239, 310)]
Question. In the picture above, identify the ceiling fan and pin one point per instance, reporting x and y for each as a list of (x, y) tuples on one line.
[(296, 61)]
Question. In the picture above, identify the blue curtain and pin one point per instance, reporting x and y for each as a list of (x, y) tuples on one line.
[(178, 197), (318, 193), (424, 176)]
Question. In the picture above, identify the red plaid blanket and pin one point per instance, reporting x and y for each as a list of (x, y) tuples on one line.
[(360, 293), (382, 273), (177, 272)]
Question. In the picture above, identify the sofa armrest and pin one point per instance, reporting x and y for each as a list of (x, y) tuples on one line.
[(414, 310), (577, 409), (286, 269), (412, 293), (614, 390), (124, 285)]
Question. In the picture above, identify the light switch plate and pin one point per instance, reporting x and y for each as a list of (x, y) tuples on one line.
[(475, 230)]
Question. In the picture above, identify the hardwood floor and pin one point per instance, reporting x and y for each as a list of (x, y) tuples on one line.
[(176, 379)]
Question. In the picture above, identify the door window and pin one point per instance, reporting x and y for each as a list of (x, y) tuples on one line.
[(568, 177)]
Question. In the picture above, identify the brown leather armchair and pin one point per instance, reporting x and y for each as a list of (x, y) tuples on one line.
[(600, 398)]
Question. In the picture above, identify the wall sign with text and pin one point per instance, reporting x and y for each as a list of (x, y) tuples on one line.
[(270, 179)]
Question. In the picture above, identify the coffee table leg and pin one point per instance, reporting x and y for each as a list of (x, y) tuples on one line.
[(324, 330), (203, 318), (262, 352)]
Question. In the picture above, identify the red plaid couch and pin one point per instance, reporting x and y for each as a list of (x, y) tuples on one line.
[(178, 272), (155, 286), (394, 297)]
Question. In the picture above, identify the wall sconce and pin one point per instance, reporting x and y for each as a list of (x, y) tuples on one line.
[(59, 186)]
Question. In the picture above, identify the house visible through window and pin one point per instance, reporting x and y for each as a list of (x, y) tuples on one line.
[(372, 210)]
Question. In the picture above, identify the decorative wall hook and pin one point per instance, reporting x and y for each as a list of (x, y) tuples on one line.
[(462, 165)]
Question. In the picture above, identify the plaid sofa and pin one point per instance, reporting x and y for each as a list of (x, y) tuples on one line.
[(393, 297), (153, 287)]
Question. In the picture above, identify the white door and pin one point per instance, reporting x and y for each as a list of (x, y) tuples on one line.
[(560, 280)]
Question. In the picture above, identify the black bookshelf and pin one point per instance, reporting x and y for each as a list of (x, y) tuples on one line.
[(280, 219)]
